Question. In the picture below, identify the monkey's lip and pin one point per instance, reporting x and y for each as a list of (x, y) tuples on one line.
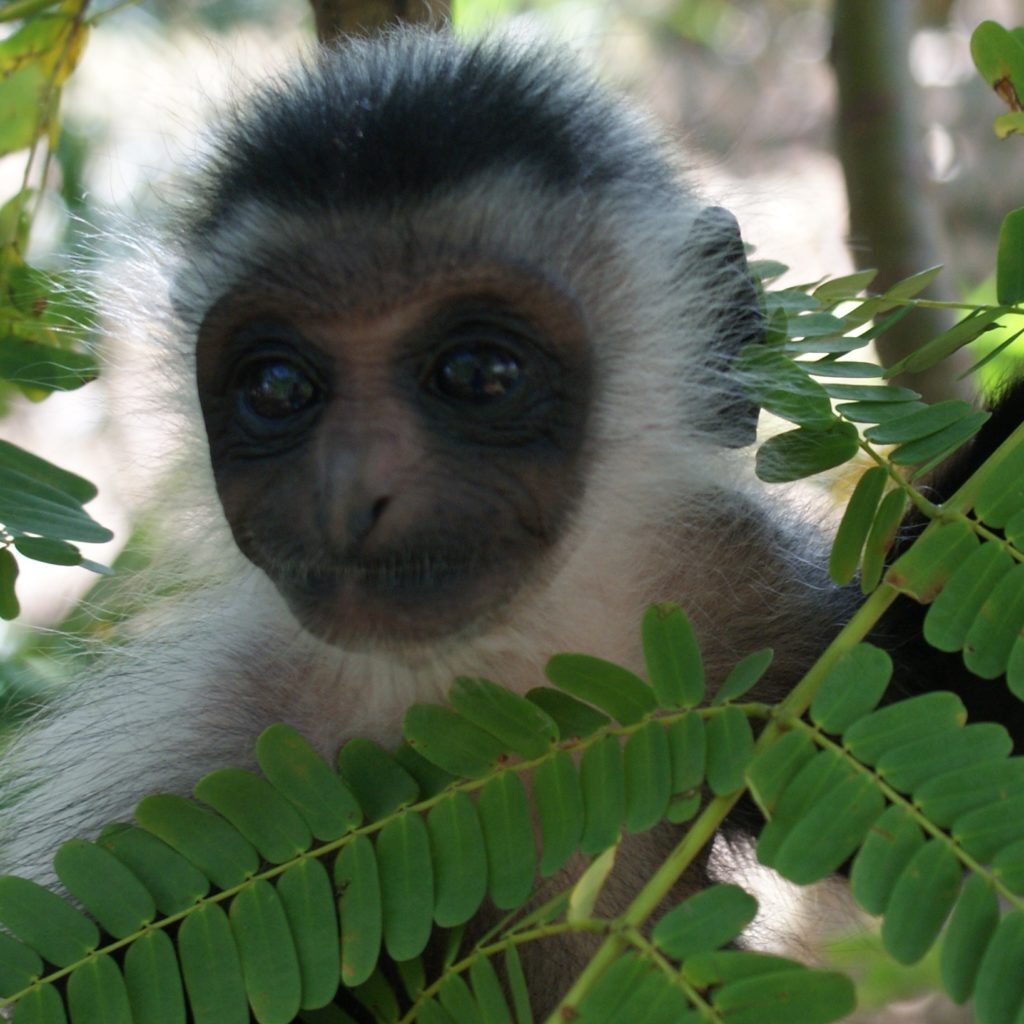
[(396, 600)]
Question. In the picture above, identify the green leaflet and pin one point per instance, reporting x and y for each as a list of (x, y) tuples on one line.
[(308, 902), (653, 999), (431, 779), (559, 800), (970, 928), (508, 840), (601, 1005), (406, 883), (413, 975), (923, 570), (357, 878), (603, 784), (909, 766), (488, 992), (810, 997), (999, 989), (771, 772), (744, 676), (993, 633), (46, 549), (1010, 253), (42, 920), (921, 900), (1008, 866), (379, 783), (377, 995), (687, 748), (920, 423), (829, 831), (431, 1012), (855, 524), (672, 657), (104, 886), (258, 811), (648, 776), (451, 741), (521, 726), (838, 288), (270, 965), (893, 840), (998, 56), (775, 383), (730, 747), (457, 843), (612, 688), (816, 778), (938, 348), (847, 369), (173, 882), (19, 965), (852, 688), (306, 780), (953, 612), (804, 452), (933, 449), (953, 794), (456, 998), (880, 538), (206, 840), (517, 986), (1015, 669), (883, 393), (43, 1005), (896, 725), (96, 991), (590, 884), (10, 607), (30, 504), (720, 966), (984, 831), (877, 412), (573, 717), (211, 968), (153, 980), (1002, 493), (709, 920)]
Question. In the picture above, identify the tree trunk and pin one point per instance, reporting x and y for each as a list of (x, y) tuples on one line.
[(336, 18), (893, 225)]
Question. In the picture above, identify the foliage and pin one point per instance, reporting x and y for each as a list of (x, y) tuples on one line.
[(269, 890), (250, 896), (41, 314)]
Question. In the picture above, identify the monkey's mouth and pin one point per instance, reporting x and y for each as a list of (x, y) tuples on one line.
[(400, 598)]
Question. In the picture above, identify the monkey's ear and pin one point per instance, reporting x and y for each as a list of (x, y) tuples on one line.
[(735, 319)]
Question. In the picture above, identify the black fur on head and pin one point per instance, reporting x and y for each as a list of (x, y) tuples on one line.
[(394, 120)]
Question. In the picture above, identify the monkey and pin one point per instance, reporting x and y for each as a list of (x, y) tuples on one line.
[(452, 338)]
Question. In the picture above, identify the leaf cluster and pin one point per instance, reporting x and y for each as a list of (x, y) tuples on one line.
[(42, 316)]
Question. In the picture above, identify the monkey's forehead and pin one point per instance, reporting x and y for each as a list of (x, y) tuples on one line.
[(414, 112)]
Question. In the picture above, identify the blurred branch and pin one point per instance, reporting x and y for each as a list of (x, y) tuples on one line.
[(892, 222), (336, 18)]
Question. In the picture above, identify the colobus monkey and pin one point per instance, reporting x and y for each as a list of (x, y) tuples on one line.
[(454, 342)]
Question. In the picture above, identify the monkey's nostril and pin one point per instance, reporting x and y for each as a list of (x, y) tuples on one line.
[(364, 517), (377, 509)]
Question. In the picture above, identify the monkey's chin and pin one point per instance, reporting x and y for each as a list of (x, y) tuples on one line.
[(359, 615)]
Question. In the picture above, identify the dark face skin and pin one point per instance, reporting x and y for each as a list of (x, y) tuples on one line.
[(400, 471)]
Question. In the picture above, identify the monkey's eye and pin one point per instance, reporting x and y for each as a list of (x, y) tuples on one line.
[(275, 389), (476, 373)]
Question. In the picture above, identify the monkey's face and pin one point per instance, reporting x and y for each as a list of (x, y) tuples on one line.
[(399, 468)]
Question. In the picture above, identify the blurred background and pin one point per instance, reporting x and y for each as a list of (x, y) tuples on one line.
[(747, 88), (764, 123)]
